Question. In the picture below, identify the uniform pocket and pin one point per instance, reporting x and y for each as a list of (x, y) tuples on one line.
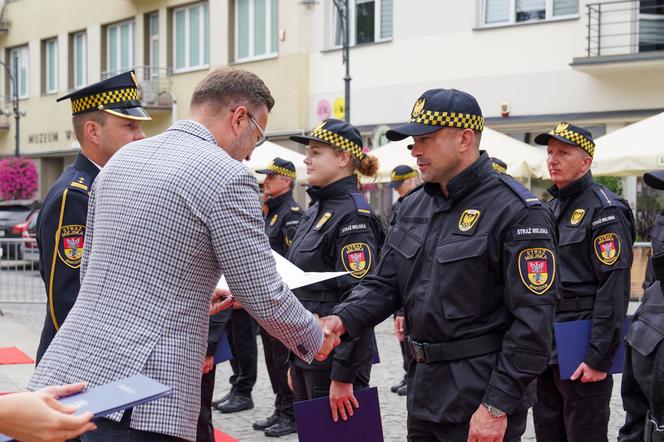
[(457, 277), (403, 242), (644, 338), (310, 243), (571, 236)]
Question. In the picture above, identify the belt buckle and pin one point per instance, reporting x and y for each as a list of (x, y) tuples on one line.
[(419, 352)]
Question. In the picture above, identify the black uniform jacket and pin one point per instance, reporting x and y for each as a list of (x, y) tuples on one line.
[(657, 242), (281, 221), (643, 375), (60, 238), (478, 262), (596, 231), (338, 232)]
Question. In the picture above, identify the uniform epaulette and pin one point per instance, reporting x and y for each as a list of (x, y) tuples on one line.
[(80, 182), (295, 208), (605, 197), (526, 196), (362, 205)]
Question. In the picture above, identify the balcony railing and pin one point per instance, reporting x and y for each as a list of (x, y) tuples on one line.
[(625, 27), (154, 84)]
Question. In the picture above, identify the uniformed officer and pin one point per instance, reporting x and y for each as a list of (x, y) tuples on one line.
[(596, 231), (643, 375), (338, 232), (281, 221), (472, 259), (657, 243), (106, 116), (403, 179)]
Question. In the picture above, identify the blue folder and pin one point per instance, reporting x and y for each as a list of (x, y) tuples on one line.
[(314, 420), (115, 396), (223, 351), (573, 343)]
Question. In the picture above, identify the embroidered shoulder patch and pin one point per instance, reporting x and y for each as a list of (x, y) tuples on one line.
[(607, 248), (356, 259), (352, 228), (537, 269), (577, 216), (70, 244)]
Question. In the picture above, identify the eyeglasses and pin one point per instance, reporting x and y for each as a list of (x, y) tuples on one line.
[(263, 138)]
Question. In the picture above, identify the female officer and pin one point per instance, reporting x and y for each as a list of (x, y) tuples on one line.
[(338, 232)]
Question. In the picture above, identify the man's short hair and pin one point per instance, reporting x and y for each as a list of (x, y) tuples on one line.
[(78, 122), (229, 87)]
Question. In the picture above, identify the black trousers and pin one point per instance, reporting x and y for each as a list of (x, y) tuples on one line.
[(424, 431), (111, 431), (312, 384), (276, 360), (241, 330), (571, 410), (205, 430)]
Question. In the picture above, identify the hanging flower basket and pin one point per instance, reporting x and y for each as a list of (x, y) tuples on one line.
[(18, 179)]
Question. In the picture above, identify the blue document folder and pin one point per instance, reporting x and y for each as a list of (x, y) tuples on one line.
[(223, 351), (573, 342), (314, 420), (115, 396)]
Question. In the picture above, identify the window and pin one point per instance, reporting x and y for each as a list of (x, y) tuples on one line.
[(79, 56), (501, 12), (191, 37), (153, 44), (651, 25), (18, 60), (256, 29), (119, 47), (370, 21), (50, 72)]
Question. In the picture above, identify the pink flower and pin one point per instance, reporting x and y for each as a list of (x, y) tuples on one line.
[(18, 179)]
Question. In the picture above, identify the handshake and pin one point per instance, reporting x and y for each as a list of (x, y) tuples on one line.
[(333, 328)]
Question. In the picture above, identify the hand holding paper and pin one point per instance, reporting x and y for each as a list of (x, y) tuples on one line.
[(588, 374), (221, 300), (342, 400)]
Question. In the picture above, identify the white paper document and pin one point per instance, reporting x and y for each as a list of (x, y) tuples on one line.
[(292, 275)]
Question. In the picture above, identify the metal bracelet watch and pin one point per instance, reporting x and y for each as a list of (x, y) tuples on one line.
[(493, 411)]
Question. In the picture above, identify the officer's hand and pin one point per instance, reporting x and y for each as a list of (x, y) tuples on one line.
[(208, 365), (290, 379), (332, 330), (398, 327), (221, 300), (588, 374), (342, 400), (486, 428)]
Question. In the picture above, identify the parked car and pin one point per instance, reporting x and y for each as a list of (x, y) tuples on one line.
[(29, 248), (14, 215)]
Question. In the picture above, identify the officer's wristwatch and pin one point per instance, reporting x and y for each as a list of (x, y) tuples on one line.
[(493, 411)]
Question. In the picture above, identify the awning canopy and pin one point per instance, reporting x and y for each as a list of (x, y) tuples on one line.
[(268, 151)]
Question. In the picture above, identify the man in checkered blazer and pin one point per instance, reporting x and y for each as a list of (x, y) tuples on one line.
[(167, 216)]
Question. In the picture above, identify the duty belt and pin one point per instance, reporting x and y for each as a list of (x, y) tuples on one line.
[(319, 296), (427, 353), (575, 304)]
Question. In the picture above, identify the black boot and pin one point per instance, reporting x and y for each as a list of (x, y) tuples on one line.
[(395, 388), (285, 425), (218, 402), (237, 402), (268, 422)]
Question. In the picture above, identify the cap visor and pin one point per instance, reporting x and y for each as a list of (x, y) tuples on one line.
[(543, 140), (266, 172), (410, 130), (131, 113), (654, 179), (304, 139), (394, 184)]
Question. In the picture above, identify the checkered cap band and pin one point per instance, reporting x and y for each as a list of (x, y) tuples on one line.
[(337, 140), (404, 177), (449, 119), (281, 171), (578, 139), (104, 98)]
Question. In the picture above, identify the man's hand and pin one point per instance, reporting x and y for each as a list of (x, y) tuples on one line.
[(208, 365), (333, 328), (221, 300), (587, 374), (486, 428), (290, 379), (399, 323), (342, 400), (39, 417)]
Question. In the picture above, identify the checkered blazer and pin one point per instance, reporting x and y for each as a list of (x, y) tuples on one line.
[(167, 216)]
